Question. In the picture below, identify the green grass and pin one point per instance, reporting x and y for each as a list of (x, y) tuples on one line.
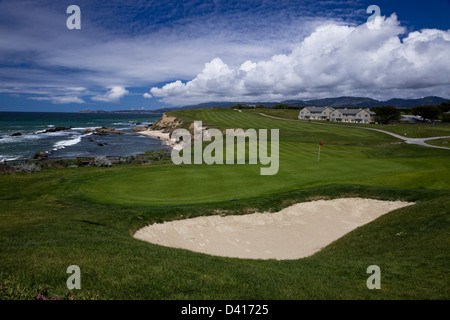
[(440, 142), (86, 216), (406, 130)]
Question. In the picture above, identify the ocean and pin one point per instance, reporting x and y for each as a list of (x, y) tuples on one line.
[(74, 142)]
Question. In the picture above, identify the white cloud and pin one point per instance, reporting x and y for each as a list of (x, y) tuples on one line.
[(147, 95), (113, 95), (333, 60), (99, 56), (59, 99), (276, 50)]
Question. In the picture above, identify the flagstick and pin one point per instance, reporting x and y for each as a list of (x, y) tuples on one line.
[(318, 160)]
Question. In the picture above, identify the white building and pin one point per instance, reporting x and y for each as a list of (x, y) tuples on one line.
[(352, 115), (337, 115), (315, 113)]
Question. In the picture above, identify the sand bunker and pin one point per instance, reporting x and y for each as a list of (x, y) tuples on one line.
[(295, 232)]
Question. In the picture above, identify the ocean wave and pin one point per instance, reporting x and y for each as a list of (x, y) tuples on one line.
[(4, 158), (23, 137), (67, 143), (6, 140), (42, 134), (82, 128), (125, 124)]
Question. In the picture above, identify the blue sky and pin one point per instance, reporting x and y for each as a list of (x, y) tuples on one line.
[(147, 54)]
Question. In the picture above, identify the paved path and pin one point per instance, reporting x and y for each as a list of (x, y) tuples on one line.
[(417, 141)]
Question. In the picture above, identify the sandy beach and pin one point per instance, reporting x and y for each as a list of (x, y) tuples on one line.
[(159, 134), (295, 232)]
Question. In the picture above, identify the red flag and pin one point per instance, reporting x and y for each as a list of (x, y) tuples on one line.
[(321, 143)]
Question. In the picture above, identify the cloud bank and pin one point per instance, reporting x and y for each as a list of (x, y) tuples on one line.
[(113, 95), (59, 99), (334, 60), (138, 44)]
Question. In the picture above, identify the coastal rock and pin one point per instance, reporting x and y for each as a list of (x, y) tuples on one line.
[(41, 155), (202, 131), (88, 130), (17, 134), (104, 131), (57, 129), (167, 124), (139, 129)]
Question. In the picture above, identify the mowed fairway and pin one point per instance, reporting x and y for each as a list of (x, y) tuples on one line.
[(348, 156), (86, 216)]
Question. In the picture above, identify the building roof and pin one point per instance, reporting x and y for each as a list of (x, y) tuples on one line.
[(352, 112), (317, 109)]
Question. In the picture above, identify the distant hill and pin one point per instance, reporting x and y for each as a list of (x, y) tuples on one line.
[(351, 102), (226, 104), (128, 111), (341, 102), (411, 103)]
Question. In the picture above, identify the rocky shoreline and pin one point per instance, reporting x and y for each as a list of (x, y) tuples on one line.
[(163, 128), (99, 131), (96, 131)]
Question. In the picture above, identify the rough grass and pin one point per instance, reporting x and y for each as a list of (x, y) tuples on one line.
[(440, 142)]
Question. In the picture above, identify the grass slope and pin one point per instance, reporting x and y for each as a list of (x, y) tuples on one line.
[(85, 216)]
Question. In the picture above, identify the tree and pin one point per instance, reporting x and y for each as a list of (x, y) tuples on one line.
[(427, 112), (386, 114), (446, 117), (284, 106), (444, 107)]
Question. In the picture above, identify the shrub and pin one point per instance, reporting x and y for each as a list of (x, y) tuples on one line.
[(427, 112), (386, 114), (27, 167), (446, 118), (156, 155), (102, 161), (6, 169)]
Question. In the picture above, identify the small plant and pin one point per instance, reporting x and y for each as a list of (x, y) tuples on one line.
[(6, 169), (44, 294), (28, 167), (102, 161), (156, 155)]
